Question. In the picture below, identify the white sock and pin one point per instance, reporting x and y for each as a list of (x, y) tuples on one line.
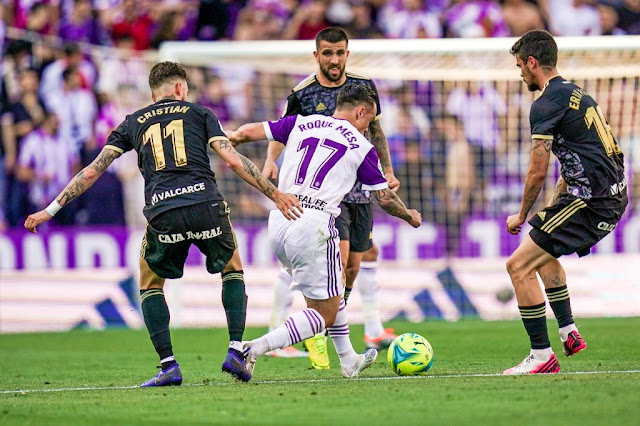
[(368, 287), (235, 344), (542, 354), (282, 298), (339, 333), (298, 327), (564, 331)]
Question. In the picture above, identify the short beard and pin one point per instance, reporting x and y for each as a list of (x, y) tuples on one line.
[(329, 77), (533, 87)]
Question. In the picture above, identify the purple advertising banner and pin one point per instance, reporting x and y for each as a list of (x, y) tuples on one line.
[(117, 246)]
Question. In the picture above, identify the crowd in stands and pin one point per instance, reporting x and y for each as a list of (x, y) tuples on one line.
[(57, 100)]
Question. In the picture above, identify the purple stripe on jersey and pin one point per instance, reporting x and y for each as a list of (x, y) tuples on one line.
[(330, 264), (338, 334), (342, 303), (369, 171), (281, 129)]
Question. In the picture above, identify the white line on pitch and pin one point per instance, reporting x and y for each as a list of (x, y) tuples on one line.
[(271, 382)]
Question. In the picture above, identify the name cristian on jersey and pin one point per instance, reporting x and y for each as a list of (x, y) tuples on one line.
[(176, 192), (176, 109)]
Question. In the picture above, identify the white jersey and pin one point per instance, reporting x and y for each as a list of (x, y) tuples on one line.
[(323, 158)]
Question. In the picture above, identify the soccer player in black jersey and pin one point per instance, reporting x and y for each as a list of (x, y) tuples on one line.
[(588, 201), (318, 94), (182, 205)]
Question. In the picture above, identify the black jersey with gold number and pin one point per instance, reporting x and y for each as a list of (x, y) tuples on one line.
[(171, 139), (310, 97), (591, 161)]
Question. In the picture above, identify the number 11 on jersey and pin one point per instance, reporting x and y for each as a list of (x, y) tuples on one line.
[(155, 135)]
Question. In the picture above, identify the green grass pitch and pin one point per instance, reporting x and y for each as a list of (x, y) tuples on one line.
[(88, 377)]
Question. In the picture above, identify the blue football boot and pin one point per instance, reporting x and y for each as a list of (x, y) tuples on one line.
[(172, 376), (235, 365)]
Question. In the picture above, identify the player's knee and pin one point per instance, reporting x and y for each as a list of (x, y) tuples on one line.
[(372, 254), (351, 272), (513, 267)]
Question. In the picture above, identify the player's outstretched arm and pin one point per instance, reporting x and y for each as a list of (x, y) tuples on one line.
[(392, 204), (379, 140), (288, 204), (536, 175), (247, 133), (77, 186)]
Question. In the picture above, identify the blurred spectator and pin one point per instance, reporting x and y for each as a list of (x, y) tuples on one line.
[(82, 26), (122, 69), (132, 19), (475, 18), (415, 174), (630, 16), (362, 24), (307, 21), (16, 59), (76, 109), (572, 17), (40, 16), (479, 107), (521, 16), (609, 20), (52, 74), (411, 20), (45, 164), (261, 20), (171, 24), (217, 18)]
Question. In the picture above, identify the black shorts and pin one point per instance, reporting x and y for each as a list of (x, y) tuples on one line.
[(572, 226), (169, 236), (355, 224)]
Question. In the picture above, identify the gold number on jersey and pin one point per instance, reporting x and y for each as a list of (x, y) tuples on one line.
[(155, 135), (594, 116)]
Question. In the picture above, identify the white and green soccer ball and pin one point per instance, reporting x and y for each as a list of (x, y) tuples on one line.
[(410, 355)]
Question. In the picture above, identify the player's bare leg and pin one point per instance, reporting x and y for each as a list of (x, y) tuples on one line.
[(555, 282), (375, 335), (234, 300), (522, 267), (156, 317)]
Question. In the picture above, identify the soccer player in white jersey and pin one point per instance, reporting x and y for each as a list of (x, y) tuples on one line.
[(323, 156)]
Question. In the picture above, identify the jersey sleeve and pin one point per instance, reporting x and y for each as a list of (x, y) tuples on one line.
[(544, 118), (119, 139), (369, 172), (281, 129), (293, 107), (214, 128)]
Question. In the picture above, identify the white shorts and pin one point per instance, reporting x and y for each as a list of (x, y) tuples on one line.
[(309, 249)]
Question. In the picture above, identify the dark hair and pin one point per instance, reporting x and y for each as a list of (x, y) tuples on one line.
[(353, 95), (70, 49), (539, 44), (164, 72), (332, 35), (69, 72)]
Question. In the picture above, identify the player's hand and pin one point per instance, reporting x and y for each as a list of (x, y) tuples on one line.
[(270, 170), (514, 223), (416, 218), (36, 219), (288, 204), (392, 181), (231, 136)]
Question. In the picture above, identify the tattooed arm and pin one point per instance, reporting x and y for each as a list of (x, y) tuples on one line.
[(255, 132), (288, 204), (77, 186), (392, 204), (379, 141), (538, 165), (560, 188)]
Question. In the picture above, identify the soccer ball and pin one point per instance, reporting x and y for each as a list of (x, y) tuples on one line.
[(410, 355)]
